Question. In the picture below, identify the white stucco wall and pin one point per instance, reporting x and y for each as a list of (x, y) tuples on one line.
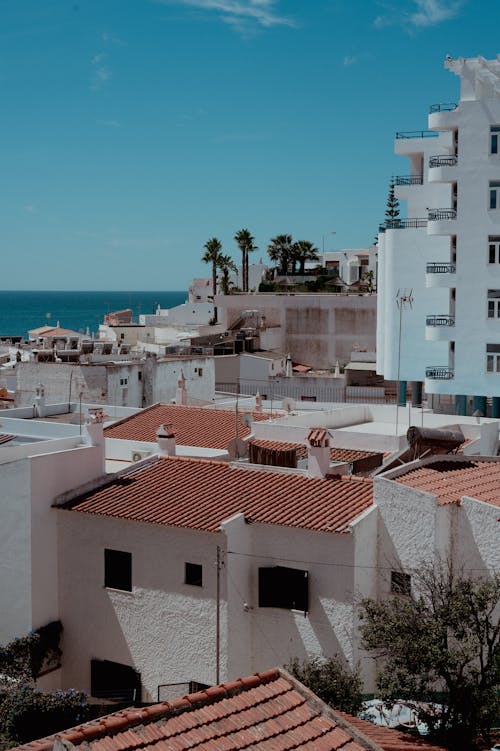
[(164, 628)]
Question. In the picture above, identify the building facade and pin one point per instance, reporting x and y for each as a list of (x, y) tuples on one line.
[(439, 267)]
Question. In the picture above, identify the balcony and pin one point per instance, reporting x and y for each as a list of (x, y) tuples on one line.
[(412, 223), (439, 373), (408, 180), (439, 221), (440, 275), (442, 115), (443, 107), (442, 168), (439, 328)]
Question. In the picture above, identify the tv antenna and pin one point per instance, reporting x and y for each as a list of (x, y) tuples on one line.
[(404, 300)]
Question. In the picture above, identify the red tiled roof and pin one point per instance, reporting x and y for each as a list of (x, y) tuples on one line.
[(201, 494), (389, 739), (336, 454), (450, 479), (193, 426), (268, 711)]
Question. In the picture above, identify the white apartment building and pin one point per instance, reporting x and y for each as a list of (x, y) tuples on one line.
[(439, 267)]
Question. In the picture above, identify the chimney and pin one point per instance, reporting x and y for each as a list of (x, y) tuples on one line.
[(94, 426), (181, 393), (288, 366), (318, 452), (39, 404), (258, 402), (166, 440)]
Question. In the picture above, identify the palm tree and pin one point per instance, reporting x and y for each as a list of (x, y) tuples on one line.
[(246, 244), (226, 264), (280, 251), (213, 252), (303, 251)]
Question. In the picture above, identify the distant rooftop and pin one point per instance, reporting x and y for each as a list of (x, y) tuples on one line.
[(206, 427)]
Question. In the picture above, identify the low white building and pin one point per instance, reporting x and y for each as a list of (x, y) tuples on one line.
[(353, 264)]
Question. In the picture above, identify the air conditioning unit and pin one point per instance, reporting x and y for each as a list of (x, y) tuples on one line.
[(137, 456)]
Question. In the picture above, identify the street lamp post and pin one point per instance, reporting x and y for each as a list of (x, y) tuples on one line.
[(326, 234)]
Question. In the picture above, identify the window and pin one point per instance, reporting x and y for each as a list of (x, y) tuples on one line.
[(494, 194), (193, 574), (494, 133), (200, 372), (112, 680), (400, 583), (494, 303), (123, 381), (494, 249), (282, 587), (118, 570), (139, 375), (304, 398), (493, 358), (122, 336)]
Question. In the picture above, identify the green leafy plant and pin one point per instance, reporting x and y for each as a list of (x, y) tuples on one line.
[(331, 680)]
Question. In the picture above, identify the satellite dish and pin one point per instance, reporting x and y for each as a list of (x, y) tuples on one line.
[(237, 448), (247, 419), (288, 404)]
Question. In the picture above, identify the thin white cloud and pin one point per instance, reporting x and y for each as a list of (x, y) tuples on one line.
[(30, 208), (110, 38), (109, 123), (101, 73), (422, 13), (349, 60), (240, 14)]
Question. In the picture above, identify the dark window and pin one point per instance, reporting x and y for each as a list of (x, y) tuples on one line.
[(494, 133), (118, 569), (122, 336), (282, 587), (112, 680), (400, 583), (194, 574), (304, 398), (494, 249), (200, 371)]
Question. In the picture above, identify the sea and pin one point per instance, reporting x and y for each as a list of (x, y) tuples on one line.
[(23, 310)]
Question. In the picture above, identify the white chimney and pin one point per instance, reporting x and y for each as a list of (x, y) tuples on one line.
[(181, 392), (166, 440), (318, 452), (258, 402), (94, 426), (288, 366), (40, 400)]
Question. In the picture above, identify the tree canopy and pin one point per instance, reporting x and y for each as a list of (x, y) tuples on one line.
[(212, 255), (440, 643), (331, 680)]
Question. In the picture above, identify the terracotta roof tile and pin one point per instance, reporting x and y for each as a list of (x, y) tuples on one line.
[(193, 426), (201, 494), (267, 724), (337, 454), (389, 739), (450, 479)]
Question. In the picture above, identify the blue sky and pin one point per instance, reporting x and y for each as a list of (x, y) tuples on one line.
[(134, 130)]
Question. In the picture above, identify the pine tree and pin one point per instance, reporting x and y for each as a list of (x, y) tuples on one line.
[(392, 210)]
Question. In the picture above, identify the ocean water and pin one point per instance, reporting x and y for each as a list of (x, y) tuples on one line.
[(24, 310)]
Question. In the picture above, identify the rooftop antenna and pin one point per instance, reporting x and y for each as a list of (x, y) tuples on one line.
[(404, 299)]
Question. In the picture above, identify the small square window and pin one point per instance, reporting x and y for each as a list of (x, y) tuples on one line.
[(400, 583), (193, 574), (118, 569)]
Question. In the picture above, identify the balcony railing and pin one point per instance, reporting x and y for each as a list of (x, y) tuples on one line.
[(443, 107), (412, 223), (443, 161), (441, 268), (408, 180), (417, 134), (439, 373), (436, 215), (443, 320)]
